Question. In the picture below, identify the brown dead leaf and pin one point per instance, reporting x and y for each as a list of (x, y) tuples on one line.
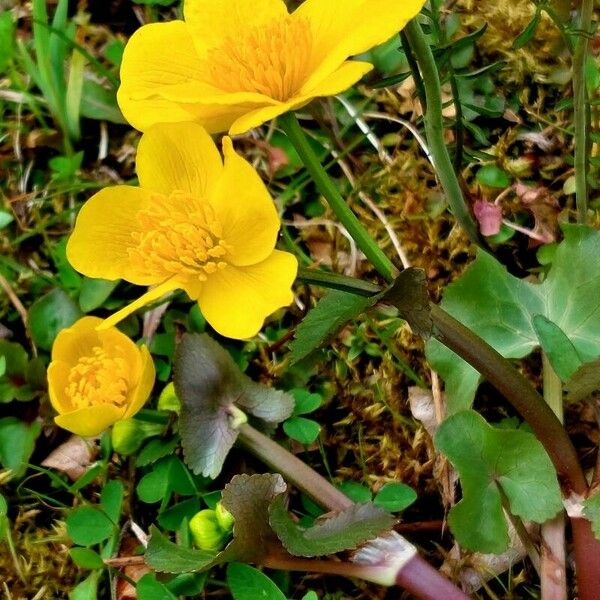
[(72, 458), (545, 210)]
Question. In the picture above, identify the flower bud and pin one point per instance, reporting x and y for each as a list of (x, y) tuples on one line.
[(206, 531), (128, 435), (168, 399), (224, 517)]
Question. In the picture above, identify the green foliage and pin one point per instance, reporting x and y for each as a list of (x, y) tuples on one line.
[(501, 309), (168, 476), (20, 378), (591, 510), (395, 497), (17, 441), (49, 315), (7, 39), (247, 583), (212, 390), (493, 176), (330, 314), (94, 292), (147, 588), (584, 382), (344, 530), (492, 464), (86, 558), (88, 526), (305, 431)]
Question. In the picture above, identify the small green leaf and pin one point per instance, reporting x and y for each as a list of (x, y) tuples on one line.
[(356, 492), (49, 315), (172, 518), (487, 460), (155, 450), (344, 531), (330, 314), (169, 476), (247, 583), (6, 218), (305, 402), (87, 589), (212, 389), (591, 510), (395, 497), (111, 499), (100, 103), (148, 588), (166, 557), (87, 526), (527, 34), (305, 431), (3, 517), (558, 347), (310, 596), (7, 39), (493, 176), (17, 441), (86, 558), (94, 292)]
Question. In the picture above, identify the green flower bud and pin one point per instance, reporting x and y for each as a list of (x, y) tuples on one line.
[(168, 399), (128, 435), (206, 531), (224, 517)]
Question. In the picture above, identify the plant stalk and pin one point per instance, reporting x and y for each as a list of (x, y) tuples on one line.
[(413, 573), (581, 119), (553, 574), (290, 125), (434, 130), (415, 576)]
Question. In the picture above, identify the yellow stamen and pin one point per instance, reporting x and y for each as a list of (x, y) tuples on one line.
[(98, 379), (178, 236), (272, 59)]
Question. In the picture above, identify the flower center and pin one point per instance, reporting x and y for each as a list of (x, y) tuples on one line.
[(178, 237), (271, 59), (98, 379)]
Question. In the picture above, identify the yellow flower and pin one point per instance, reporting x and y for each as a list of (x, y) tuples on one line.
[(96, 378), (235, 64), (194, 224)]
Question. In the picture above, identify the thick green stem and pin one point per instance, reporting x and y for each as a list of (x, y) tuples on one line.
[(581, 109), (434, 129), (293, 469), (553, 573), (289, 123)]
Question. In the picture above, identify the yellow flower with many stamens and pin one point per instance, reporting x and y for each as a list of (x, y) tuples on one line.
[(195, 223), (235, 64), (97, 378)]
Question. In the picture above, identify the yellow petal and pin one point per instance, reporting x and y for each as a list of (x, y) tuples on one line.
[(90, 421), (58, 375), (213, 21), (178, 156), (236, 300), (76, 341), (260, 116), (144, 387), (98, 246), (245, 210), (150, 296), (346, 76), (343, 28)]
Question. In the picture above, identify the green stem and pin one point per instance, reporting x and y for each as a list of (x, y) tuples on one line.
[(289, 123), (434, 129), (581, 110), (414, 69), (295, 471), (553, 572)]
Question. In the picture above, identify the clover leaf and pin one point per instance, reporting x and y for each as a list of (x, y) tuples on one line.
[(492, 464), (516, 316), (212, 390)]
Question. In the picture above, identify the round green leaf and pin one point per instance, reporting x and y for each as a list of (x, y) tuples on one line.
[(49, 315), (86, 558), (305, 431), (395, 497), (87, 526), (247, 583), (493, 176)]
